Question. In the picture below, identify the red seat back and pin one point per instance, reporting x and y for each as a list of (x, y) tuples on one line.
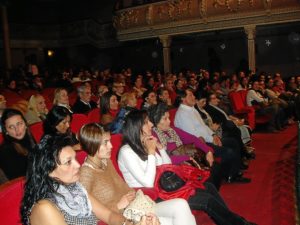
[(139, 103), (28, 93), (1, 138), (116, 141), (78, 121), (72, 98), (237, 101), (11, 194), (80, 156), (94, 116), (172, 113), (37, 131), (49, 92)]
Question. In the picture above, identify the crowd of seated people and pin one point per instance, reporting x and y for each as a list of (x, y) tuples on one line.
[(204, 118)]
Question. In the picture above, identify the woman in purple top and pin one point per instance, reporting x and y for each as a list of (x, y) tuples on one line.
[(173, 137)]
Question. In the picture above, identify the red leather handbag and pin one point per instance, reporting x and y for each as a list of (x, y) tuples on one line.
[(193, 178)]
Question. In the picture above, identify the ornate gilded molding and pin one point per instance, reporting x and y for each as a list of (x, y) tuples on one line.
[(232, 6), (185, 16)]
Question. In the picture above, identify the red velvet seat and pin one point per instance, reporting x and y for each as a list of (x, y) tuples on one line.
[(94, 116), (172, 113), (37, 131), (139, 103), (78, 121), (28, 93), (240, 108), (80, 156), (239, 105), (1, 138), (49, 92), (72, 98), (11, 194)]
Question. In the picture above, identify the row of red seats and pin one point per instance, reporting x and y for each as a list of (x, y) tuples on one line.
[(239, 105), (11, 192)]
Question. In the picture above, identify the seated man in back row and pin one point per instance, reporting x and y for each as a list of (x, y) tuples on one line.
[(84, 104), (188, 119)]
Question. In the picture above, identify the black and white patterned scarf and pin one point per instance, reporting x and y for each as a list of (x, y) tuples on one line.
[(73, 199), (167, 136)]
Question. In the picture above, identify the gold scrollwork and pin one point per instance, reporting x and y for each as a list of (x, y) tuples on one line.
[(228, 4), (126, 19), (175, 9)]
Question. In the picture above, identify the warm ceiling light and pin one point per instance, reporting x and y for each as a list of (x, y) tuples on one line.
[(50, 53)]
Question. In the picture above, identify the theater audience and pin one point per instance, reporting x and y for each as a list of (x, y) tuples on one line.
[(138, 86), (101, 180), (37, 109), (231, 126), (54, 195), (18, 144), (172, 138), (118, 89), (61, 98), (149, 99), (164, 96), (127, 104), (84, 104), (141, 153), (57, 123), (188, 119), (169, 86), (109, 108), (264, 107)]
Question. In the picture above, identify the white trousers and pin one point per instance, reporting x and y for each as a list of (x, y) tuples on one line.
[(174, 212)]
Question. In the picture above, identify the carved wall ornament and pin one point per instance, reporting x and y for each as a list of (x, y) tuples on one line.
[(232, 5), (267, 4), (149, 15), (175, 9), (202, 8), (126, 19)]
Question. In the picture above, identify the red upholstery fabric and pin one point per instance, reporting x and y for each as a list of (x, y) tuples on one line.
[(48, 102), (80, 156), (11, 194), (11, 97), (172, 113), (37, 131), (28, 93), (1, 138), (94, 116), (239, 106), (116, 141), (49, 92), (78, 121), (139, 103), (72, 98)]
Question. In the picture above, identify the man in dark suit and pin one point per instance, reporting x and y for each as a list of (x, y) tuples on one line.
[(83, 103), (229, 129)]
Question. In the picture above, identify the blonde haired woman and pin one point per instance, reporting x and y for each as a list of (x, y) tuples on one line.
[(37, 109), (61, 98)]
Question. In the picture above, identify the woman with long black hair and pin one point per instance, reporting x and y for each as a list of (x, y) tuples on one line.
[(141, 153), (18, 144)]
